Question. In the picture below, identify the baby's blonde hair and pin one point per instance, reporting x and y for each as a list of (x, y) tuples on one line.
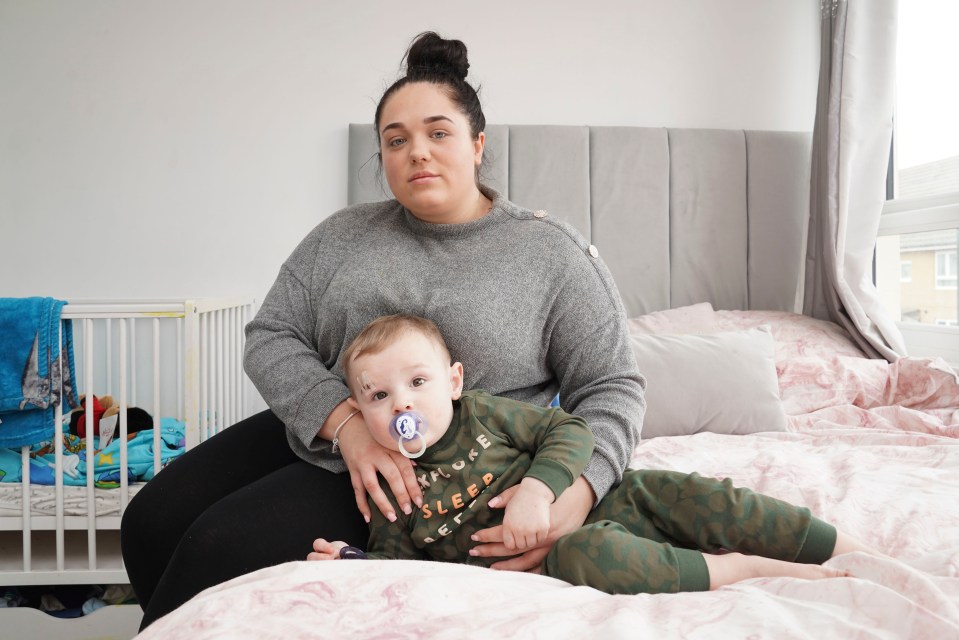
[(383, 331)]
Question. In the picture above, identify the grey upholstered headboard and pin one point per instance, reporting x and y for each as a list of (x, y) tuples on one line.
[(679, 215)]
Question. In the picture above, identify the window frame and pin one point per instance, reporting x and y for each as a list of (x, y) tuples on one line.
[(903, 278), (914, 215), (947, 275)]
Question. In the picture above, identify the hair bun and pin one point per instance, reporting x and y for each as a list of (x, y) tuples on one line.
[(430, 54)]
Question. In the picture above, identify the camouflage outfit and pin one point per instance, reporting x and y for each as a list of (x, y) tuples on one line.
[(643, 537)]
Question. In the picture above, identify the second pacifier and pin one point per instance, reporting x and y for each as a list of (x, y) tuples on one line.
[(409, 425)]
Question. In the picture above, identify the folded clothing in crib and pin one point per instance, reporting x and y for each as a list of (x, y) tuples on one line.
[(34, 378), (106, 474)]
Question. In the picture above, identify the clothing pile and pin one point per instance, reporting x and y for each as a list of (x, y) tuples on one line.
[(67, 600)]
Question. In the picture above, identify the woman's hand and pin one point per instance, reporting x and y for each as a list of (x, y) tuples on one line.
[(365, 458), (566, 515)]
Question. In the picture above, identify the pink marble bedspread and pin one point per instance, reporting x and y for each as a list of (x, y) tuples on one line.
[(825, 380), (872, 447), (898, 491)]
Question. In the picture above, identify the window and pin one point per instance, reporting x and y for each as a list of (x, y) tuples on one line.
[(916, 270), (905, 271), (925, 289), (945, 270), (926, 150)]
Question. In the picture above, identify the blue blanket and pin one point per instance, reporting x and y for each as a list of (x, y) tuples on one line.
[(31, 375), (106, 463)]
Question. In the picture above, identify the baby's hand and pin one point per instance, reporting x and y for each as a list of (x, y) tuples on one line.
[(323, 550), (526, 523)]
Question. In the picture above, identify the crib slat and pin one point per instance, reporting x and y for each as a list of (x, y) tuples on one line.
[(204, 364), (179, 369), (58, 465), (219, 371), (244, 321), (231, 369), (124, 426), (109, 356), (238, 371), (133, 362), (191, 410), (227, 369), (27, 508), (58, 480), (91, 500), (156, 396)]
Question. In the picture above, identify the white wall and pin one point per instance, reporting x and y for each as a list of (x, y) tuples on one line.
[(183, 147)]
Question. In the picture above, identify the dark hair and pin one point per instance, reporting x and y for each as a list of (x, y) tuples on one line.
[(432, 59)]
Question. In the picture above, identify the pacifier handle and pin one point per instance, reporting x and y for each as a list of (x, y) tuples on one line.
[(412, 454)]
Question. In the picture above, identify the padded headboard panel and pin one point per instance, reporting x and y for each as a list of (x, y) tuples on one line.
[(679, 215)]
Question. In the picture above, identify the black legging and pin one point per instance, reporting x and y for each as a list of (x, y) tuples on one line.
[(238, 502)]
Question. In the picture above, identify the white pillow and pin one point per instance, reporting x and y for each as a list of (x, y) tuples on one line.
[(722, 382)]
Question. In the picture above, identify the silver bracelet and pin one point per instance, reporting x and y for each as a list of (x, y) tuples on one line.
[(336, 432)]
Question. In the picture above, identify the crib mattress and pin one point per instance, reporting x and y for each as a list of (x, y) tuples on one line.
[(43, 500)]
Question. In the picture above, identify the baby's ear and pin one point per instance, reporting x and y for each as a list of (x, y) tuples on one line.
[(352, 402), (456, 380)]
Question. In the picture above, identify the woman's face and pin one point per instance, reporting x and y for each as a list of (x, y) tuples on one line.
[(429, 155)]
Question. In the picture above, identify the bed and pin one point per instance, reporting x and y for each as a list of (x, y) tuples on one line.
[(704, 232)]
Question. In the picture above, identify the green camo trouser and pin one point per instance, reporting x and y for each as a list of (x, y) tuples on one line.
[(647, 534)]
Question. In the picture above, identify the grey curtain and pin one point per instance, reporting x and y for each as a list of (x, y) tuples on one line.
[(851, 140)]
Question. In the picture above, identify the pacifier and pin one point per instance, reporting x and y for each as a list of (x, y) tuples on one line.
[(406, 426), (352, 553)]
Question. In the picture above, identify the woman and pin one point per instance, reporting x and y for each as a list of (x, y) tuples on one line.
[(517, 296)]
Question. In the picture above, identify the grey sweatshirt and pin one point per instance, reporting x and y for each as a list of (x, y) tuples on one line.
[(520, 299)]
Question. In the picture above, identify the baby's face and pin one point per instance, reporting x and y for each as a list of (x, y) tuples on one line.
[(412, 374)]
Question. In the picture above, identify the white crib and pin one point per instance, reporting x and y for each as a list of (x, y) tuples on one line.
[(172, 358)]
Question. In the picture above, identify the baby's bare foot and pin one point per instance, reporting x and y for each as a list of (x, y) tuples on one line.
[(804, 571), (734, 567), (845, 543)]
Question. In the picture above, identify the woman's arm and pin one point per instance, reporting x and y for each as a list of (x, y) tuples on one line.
[(282, 358), (283, 361), (592, 357), (591, 354)]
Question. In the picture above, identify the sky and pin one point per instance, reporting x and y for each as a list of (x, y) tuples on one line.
[(927, 110)]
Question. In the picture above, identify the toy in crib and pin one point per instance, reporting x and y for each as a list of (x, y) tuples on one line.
[(106, 416)]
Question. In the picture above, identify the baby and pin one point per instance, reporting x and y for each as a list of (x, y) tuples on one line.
[(655, 532)]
